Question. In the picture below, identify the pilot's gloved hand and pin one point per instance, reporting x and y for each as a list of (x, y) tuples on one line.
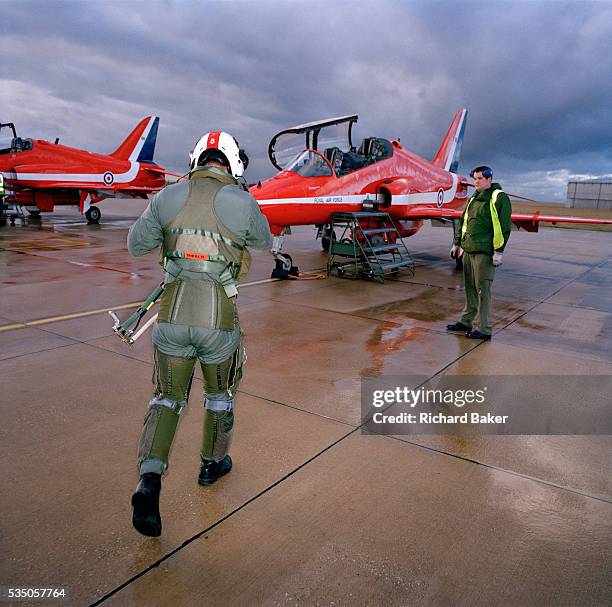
[(454, 251), (497, 258)]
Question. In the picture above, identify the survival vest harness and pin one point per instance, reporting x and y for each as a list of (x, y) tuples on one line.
[(197, 234)]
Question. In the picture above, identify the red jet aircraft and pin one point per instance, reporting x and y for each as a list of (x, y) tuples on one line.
[(322, 172), (42, 175)]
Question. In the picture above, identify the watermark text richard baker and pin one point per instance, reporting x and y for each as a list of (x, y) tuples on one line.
[(438, 418), (491, 404), (422, 396)]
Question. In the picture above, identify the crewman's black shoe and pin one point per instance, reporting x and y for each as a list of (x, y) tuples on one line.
[(458, 326), (145, 501), (477, 335), (210, 470)]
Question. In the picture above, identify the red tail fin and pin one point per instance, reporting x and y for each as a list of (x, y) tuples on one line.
[(447, 157), (139, 145)]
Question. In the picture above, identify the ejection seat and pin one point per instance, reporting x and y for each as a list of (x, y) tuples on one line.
[(365, 149), (375, 149), (335, 156), (352, 161)]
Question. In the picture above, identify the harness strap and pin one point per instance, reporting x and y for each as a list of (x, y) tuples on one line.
[(227, 277), (195, 256), (214, 235)]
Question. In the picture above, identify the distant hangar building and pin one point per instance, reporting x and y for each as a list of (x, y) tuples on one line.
[(590, 194)]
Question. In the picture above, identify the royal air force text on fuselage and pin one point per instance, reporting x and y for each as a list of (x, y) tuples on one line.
[(330, 199)]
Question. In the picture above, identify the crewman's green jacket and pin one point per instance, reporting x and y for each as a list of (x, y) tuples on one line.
[(479, 235)]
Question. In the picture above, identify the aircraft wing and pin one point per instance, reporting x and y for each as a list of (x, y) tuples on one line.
[(158, 169), (527, 221)]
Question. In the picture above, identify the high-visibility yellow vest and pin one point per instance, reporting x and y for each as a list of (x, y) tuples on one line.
[(498, 237)]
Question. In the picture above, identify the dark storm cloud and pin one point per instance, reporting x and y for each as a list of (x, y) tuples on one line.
[(533, 75)]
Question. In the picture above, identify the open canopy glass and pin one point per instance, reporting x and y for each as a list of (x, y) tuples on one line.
[(9, 142), (287, 145)]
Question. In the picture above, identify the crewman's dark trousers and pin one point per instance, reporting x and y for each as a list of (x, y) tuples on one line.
[(478, 274)]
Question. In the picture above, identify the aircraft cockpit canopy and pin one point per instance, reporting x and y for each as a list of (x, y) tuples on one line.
[(310, 164), (304, 149), (319, 136), (10, 143)]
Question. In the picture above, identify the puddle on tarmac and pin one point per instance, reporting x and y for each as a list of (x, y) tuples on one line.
[(388, 338), (427, 306)]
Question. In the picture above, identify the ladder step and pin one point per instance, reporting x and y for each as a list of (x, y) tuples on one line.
[(381, 247), (396, 264), (390, 230)]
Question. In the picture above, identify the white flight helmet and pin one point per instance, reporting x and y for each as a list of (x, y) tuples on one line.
[(220, 146)]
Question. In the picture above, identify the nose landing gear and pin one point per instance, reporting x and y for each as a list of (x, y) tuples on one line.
[(284, 267)]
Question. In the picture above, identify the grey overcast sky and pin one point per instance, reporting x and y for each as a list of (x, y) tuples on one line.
[(535, 76)]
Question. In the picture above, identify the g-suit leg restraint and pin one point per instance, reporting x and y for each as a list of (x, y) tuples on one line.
[(221, 380), (172, 376)]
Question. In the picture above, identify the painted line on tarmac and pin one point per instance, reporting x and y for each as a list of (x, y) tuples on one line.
[(48, 320), (50, 243), (27, 251), (43, 239)]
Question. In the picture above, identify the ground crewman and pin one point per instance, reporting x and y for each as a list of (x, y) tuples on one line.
[(204, 224), (483, 233)]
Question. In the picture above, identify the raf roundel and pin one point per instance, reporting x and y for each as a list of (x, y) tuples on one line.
[(440, 200), (108, 178)]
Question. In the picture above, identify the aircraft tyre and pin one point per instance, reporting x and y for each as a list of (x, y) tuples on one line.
[(286, 261), (284, 267), (93, 215)]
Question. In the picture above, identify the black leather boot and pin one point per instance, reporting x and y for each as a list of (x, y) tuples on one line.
[(210, 470), (477, 335), (145, 501)]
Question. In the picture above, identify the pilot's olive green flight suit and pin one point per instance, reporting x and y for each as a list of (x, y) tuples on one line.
[(484, 228), (204, 225)]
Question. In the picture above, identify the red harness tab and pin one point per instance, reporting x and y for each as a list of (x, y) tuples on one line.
[(189, 255), (213, 140)]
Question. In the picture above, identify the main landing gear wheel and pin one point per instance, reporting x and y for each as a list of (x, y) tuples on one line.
[(93, 215)]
